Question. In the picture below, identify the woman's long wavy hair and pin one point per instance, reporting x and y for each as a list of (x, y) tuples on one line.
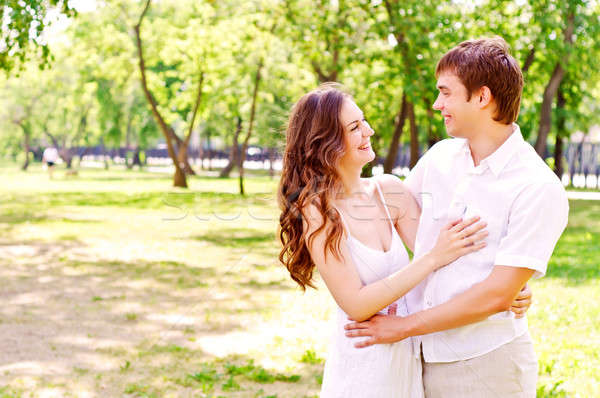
[(314, 145)]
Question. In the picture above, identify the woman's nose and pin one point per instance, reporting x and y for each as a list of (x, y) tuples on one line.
[(367, 130)]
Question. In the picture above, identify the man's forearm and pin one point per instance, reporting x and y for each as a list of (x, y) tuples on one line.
[(473, 306), (486, 298)]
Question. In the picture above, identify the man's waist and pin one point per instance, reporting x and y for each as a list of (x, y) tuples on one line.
[(472, 340)]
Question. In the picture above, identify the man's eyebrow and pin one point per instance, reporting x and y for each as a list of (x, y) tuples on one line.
[(442, 87)]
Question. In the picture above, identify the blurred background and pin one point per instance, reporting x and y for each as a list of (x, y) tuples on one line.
[(145, 263), (222, 76)]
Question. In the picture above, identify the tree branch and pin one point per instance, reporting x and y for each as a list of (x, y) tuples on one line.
[(529, 60), (196, 106)]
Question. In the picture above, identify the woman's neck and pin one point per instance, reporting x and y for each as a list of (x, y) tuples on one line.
[(352, 185)]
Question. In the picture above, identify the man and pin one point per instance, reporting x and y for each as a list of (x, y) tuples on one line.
[(471, 345)]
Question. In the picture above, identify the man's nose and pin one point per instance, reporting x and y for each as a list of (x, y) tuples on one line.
[(437, 105)]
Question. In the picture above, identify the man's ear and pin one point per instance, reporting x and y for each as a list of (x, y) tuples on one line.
[(484, 96)]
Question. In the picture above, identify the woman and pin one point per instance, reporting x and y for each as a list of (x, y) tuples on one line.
[(351, 229)]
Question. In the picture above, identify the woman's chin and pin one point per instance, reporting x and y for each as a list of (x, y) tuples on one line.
[(368, 157)]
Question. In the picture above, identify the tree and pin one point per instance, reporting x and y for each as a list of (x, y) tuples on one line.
[(177, 148), (24, 22)]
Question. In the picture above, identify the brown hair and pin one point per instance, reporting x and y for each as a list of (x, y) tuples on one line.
[(487, 62), (314, 145)]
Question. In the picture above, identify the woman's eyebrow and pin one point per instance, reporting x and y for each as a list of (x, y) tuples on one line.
[(357, 120)]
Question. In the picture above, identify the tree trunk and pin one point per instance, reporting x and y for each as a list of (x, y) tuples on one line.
[(390, 160), (128, 163), (432, 138), (271, 161), (69, 159), (26, 146), (560, 132), (414, 135), (234, 153), (184, 161), (104, 155), (63, 152), (529, 60), (136, 157), (550, 91), (546, 109), (250, 125), (183, 145), (179, 178)]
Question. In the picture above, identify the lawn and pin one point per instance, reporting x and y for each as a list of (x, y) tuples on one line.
[(115, 284)]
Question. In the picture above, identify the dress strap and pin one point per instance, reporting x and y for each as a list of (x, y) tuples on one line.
[(385, 207), (343, 221)]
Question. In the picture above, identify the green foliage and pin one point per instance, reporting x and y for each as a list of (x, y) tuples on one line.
[(24, 22), (311, 357), (378, 50)]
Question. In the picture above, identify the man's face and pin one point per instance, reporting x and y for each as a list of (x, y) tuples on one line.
[(460, 116)]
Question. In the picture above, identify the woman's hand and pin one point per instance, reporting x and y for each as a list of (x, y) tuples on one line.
[(457, 239), (522, 302)]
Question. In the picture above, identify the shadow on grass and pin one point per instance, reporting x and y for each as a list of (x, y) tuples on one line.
[(188, 201), (155, 370), (39, 250), (132, 326), (237, 237)]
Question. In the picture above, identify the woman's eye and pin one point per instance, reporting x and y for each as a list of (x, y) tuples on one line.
[(354, 128)]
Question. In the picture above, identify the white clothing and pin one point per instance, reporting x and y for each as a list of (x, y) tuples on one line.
[(50, 155), (377, 371), (526, 210)]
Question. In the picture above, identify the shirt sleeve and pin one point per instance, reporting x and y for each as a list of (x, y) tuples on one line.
[(536, 220)]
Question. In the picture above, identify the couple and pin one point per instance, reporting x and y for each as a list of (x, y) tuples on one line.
[(481, 212)]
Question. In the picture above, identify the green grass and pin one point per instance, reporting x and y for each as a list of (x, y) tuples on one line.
[(117, 284)]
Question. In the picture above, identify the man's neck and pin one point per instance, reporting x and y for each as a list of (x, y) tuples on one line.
[(488, 139)]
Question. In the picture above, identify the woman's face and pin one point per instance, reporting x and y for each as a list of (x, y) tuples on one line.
[(357, 134)]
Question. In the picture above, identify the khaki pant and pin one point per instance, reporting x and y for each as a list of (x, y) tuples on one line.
[(508, 371)]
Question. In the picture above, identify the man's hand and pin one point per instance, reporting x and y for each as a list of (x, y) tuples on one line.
[(382, 329), (522, 302)]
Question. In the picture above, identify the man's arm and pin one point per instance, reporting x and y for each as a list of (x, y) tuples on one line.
[(537, 218), (494, 294)]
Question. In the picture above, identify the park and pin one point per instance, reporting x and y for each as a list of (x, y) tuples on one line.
[(145, 261)]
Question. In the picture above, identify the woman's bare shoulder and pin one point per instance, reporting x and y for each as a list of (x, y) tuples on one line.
[(390, 184)]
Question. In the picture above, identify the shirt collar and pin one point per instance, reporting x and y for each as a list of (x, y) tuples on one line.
[(501, 156)]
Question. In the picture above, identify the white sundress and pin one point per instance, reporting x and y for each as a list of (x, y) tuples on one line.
[(381, 370)]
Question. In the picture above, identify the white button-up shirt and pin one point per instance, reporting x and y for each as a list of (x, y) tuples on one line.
[(526, 209)]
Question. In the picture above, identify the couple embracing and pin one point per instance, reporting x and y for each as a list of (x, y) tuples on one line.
[(480, 211)]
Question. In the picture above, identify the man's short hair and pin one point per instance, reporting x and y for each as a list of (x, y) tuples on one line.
[(487, 62)]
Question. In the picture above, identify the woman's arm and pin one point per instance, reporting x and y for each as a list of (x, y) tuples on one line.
[(406, 213), (361, 302)]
